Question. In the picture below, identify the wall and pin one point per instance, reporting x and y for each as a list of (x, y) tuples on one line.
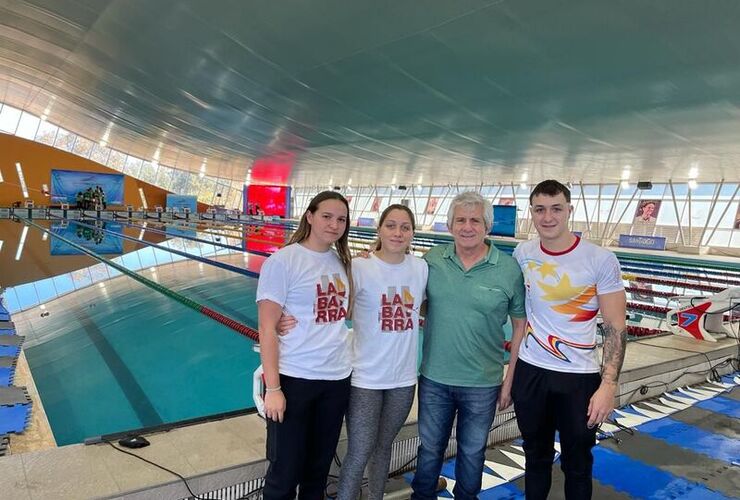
[(37, 161)]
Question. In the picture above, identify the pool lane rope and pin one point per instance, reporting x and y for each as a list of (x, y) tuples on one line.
[(238, 327)]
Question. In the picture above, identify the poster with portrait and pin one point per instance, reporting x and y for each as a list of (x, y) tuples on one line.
[(375, 207), (647, 212), (431, 206), (737, 218), (507, 201)]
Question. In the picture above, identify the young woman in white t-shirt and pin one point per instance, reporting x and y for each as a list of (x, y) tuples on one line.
[(307, 373), (389, 290)]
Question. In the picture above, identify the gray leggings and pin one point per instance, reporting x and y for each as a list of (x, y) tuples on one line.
[(374, 418)]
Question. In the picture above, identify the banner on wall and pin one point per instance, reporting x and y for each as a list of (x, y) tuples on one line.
[(642, 242), (376, 205), (504, 220), (267, 200), (737, 218), (431, 206), (647, 211), (182, 201), (95, 239), (74, 186)]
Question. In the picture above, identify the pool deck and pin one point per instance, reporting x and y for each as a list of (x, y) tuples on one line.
[(223, 453)]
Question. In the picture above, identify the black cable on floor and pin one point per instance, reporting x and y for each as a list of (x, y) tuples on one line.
[(185, 482)]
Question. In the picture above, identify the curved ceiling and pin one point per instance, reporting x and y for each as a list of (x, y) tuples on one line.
[(404, 91)]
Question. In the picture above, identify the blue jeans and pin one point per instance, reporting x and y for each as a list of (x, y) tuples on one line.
[(438, 403)]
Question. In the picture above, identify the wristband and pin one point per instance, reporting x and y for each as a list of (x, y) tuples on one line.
[(275, 389)]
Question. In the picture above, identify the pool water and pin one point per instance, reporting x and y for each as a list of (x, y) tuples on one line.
[(131, 357)]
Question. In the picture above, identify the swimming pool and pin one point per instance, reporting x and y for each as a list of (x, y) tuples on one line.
[(118, 356)]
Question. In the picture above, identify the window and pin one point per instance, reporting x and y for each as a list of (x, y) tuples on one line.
[(82, 147), (100, 154), (47, 133), (117, 160), (133, 166), (9, 117), (65, 140), (148, 172), (27, 126)]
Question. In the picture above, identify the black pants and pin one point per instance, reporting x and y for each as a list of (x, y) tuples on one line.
[(546, 401), (300, 449)]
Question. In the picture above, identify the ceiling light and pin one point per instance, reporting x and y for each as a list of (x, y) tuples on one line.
[(694, 170), (1, 176), (524, 177), (625, 184), (21, 243), (201, 174), (692, 184), (625, 174), (22, 179), (523, 185), (349, 182)]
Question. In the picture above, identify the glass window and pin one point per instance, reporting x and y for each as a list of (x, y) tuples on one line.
[(83, 147), (65, 140), (64, 284), (162, 256), (9, 117), (705, 189), (47, 133), (11, 300), (100, 154), (133, 166), (164, 177), (608, 190), (148, 172), (81, 278), (131, 261), (99, 272), (206, 190), (146, 257), (117, 160), (180, 181), (45, 290), (27, 126), (27, 296), (728, 189)]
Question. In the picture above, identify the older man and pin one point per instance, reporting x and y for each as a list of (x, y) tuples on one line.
[(472, 288)]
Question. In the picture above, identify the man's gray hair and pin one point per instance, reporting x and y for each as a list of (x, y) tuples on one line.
[(471, 199)]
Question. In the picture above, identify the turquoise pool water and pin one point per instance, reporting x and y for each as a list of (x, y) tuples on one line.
[(126, 357)]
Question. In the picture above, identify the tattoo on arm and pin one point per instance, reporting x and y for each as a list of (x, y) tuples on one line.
[(615, 342)]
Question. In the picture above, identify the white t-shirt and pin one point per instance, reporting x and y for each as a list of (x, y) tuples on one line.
[(312, 287), (562, 303), (386, 321)]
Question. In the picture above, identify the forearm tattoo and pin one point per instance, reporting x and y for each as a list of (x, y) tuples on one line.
[(615, 342)]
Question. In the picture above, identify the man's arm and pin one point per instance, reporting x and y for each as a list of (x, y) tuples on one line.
[(519, 329), (613, 309)]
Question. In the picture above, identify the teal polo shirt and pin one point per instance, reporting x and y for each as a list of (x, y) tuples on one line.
[(466, 311)]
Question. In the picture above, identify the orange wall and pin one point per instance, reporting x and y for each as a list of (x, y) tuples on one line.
[(37, 161)]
